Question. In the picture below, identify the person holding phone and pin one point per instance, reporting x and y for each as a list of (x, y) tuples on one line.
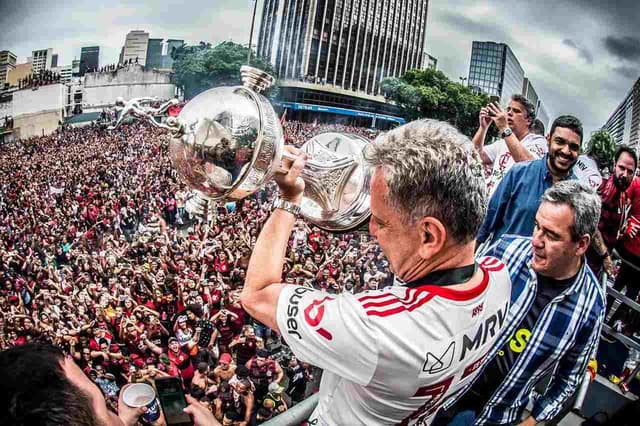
[(517, 143)]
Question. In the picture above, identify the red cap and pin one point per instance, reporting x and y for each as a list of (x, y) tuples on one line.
[(226, 358)]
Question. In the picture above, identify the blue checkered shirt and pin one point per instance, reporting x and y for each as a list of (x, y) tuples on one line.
[(563, 340)]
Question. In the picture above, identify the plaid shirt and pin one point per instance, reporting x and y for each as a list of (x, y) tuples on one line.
[(563, 340)]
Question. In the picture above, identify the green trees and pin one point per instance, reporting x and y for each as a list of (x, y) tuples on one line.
[(430, 94), (201, 67), (601, 148)]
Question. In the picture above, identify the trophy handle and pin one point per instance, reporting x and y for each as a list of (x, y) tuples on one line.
[(135, 108)]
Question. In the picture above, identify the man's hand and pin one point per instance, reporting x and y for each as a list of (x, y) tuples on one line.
[(499, 116), (485, 118), (290, 183), (201, 414), (529, 421)]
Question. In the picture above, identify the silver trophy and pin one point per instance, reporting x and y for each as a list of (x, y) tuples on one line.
[(228, 142)]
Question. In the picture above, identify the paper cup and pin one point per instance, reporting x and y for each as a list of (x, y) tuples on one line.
[(142, 395)]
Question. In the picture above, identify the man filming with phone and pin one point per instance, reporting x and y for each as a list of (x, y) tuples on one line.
[(517, 143)]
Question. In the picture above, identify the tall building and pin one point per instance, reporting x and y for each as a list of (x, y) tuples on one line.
[(495, 70), (529, 92), (65, 72), (75, 67), (542, 115), (172, 44), (331, 55), (135, 47), (429, 61), (624, 122), (41, 60), (154, 53), (20, 72), (7, 64), (352, 44), (89, 59)]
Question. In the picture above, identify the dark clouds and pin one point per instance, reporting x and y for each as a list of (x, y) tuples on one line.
[(582, 52), (559, 43), (626, 48), (628, 72)]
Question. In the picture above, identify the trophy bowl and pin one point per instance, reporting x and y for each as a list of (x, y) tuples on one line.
[(228, 142)]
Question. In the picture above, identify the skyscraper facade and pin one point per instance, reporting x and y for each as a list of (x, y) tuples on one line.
[(350, 44), (172, 44), (495, 70), (624, 122), (529, 92), (154, 53), (41, 60), (7, 64), (542, 115), (135, 47), (89, 59)]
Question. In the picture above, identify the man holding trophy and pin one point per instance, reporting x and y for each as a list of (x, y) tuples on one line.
[(389, 356), (394, 355)]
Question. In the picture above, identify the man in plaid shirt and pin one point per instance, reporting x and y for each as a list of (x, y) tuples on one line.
[(554, 321)]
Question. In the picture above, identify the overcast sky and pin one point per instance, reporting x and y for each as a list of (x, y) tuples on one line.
[(582, 56)]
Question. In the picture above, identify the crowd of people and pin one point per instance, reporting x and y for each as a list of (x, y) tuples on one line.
[(99, 257)]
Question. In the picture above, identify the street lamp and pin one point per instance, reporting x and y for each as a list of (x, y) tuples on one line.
[(463, 79), (253, 20)]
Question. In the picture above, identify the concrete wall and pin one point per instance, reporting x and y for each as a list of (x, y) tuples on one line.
[(45, 98), (102, 89), (36, 124)]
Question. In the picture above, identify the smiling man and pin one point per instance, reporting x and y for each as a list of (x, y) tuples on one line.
[(557, 310), (514, 204)]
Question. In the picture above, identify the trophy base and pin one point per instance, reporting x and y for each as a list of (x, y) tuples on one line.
[(198, 205), (337, 197)]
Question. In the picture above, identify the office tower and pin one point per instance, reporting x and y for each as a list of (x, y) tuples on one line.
[(495, 70), (351, 44), (89, 59), (41, 60), (135, 47), (7, 64), (154, 53), (624, 122)]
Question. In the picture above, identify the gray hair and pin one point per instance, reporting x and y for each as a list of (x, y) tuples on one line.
[(527, 104), (431, 169), (584, 202)]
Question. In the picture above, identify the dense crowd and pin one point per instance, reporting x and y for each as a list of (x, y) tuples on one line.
[(98, 256)]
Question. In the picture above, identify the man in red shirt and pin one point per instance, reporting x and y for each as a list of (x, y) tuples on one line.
[(620, 221)]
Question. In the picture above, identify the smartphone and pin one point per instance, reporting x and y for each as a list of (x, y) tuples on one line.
[(173, 402)]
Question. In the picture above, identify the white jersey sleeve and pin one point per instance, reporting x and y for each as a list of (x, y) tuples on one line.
[(494, 149), (322, 328), (586, 170)]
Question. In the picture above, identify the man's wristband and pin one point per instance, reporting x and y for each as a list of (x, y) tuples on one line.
[(287, 206)]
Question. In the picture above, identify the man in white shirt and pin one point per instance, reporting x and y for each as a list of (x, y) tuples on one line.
[(517, 143), (393, 355)]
